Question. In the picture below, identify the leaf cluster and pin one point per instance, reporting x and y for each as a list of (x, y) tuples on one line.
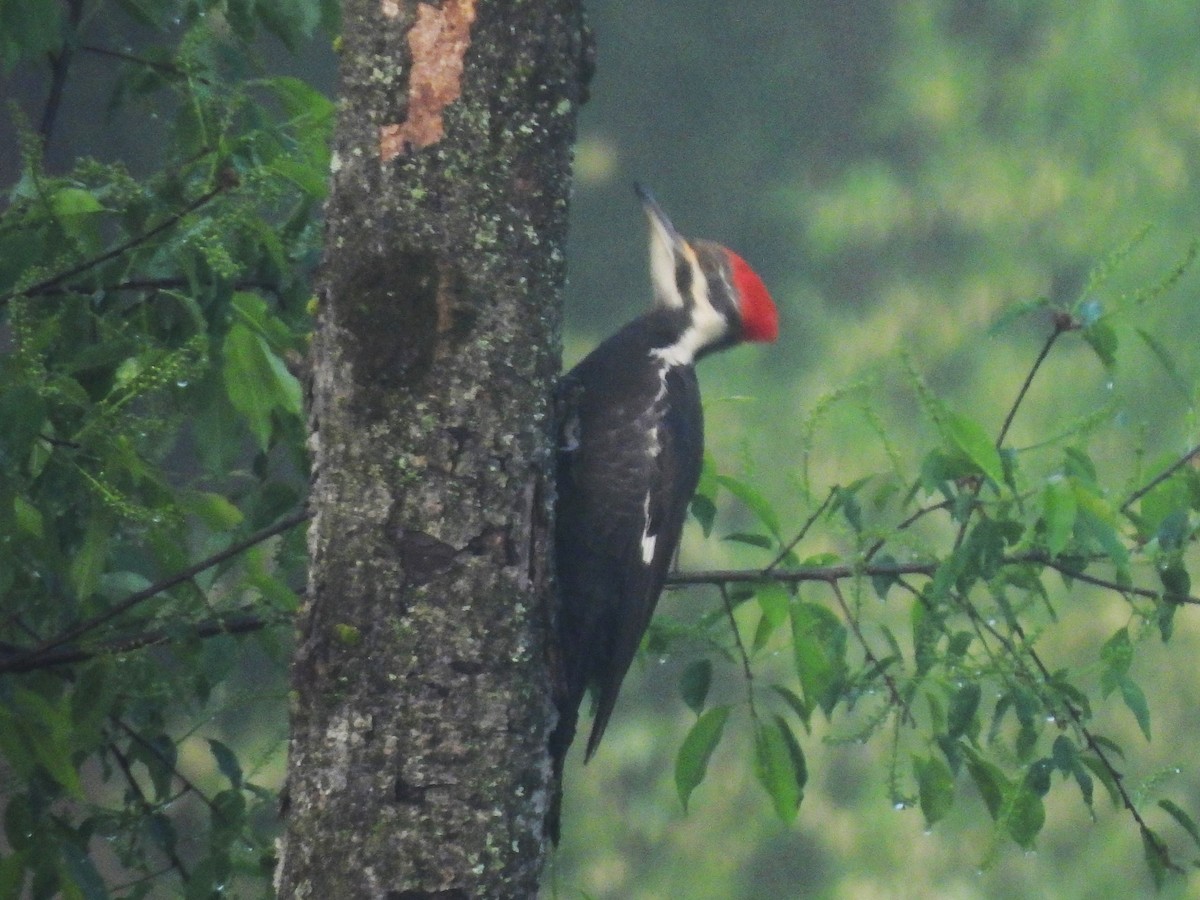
[(152, 325), (979, 547)]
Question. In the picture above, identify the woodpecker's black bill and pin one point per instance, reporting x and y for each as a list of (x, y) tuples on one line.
[(650, 204)]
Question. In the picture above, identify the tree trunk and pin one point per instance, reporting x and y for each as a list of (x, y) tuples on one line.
[(421, 686)]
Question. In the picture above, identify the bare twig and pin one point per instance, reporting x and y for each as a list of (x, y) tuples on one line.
[(919, 514), (1062, 323), (737, 637), (1160, 478), (803, 531)]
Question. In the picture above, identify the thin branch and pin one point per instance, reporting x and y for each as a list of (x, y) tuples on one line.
[(920, 513), (147, 807), (242, 623), (1096, 747), (868, 653), (60, 65), (1108, 583), (42, 286), (1161, 477), (737, 637), (165, 68), (803, 531), (66, 637), (838, 573), (1062, 323), (188, 785), (149, 284), (794, 576)]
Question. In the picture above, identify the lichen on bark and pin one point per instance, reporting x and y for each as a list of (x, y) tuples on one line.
[(421, 696)]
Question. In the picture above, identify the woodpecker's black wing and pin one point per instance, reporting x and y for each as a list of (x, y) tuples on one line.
[(629, 460)]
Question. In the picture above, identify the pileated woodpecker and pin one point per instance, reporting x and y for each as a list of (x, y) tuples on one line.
[(631, 438)]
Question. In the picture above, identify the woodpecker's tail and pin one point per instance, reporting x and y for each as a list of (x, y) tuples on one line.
[(560, 743)]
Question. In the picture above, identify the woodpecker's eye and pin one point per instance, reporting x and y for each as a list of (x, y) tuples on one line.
[(683, 278)]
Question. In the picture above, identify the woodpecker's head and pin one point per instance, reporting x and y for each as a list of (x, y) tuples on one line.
[(720, 300)]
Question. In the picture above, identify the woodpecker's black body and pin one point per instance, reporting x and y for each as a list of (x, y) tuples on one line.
[(631, 440)]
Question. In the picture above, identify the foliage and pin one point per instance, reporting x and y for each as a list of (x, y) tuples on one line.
[(976, 692), (152, 466)]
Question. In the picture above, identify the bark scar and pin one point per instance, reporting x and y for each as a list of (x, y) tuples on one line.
[(438, 41)]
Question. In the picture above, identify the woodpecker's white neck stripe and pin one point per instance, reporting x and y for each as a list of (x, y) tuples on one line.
[(707, 326)]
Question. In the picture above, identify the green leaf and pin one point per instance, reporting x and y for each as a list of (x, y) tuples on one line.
[(694, 683), (71, 201), (754, 540), (137, 10), (1101, 771), (78, 866), (1186, 822), (775, 602), (29, 29), (970, 438), (1016, 311), (935, 786), (227, 762), (1157, 856), (926, 631), (1136, 701), (46, 730), (12, 874), (960, 718), (704, 511), (780, 767), (1097, 520), (257, 381), (1166, 360), (1025, 817), (754, 501), (23, 413), (214, 510), (1059, 507), (792, 699), (819, 648), (691, 764), (882, 583), (1116, 656), (1101, 337), (29, 518), (990, 781), (91, 557)]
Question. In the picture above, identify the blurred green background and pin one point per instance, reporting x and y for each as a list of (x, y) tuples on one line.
[(901, 174)]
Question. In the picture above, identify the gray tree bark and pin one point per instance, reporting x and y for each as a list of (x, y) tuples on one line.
[(421, 687)]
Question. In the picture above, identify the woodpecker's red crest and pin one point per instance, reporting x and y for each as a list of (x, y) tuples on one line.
[(630, 445), (723, 300)]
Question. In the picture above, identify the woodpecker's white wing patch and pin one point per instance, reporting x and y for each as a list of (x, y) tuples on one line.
[(648, 540)]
